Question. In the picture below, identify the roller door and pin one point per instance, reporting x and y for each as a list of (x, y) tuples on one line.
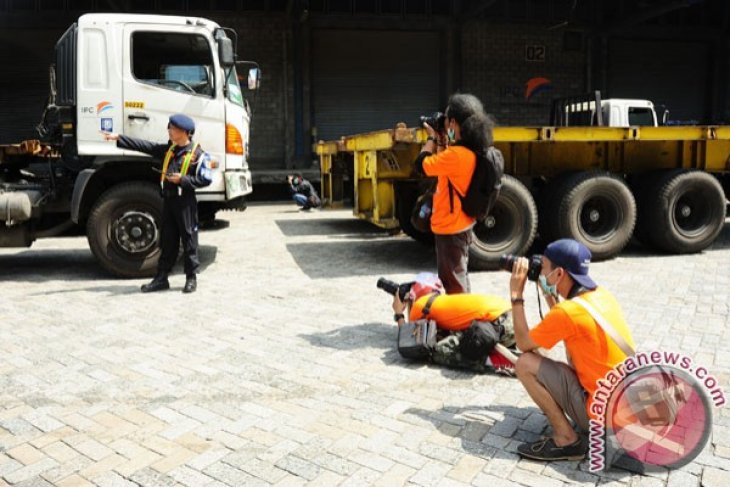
[(370, 80)]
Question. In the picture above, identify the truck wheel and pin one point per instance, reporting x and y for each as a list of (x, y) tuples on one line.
[(407, 194), (123, 229), (598, 210), (510, 227), (685, 211)]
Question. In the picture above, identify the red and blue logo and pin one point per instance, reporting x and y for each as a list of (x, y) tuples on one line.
[(103, 106), (535, 86)]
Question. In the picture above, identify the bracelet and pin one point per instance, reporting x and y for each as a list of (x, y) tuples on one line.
[(432, 139), (518, 301)]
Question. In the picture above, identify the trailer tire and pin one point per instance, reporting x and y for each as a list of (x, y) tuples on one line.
[(510, 227), (407, 194), (684, 212), (123, 229), (598, 210)]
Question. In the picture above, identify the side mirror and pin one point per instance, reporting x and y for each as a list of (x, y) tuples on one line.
[(254, 78), (225, 52)]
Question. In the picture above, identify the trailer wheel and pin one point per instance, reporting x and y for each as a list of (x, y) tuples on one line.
[(406, 195), (598, 210), (123, 229), (510, 228), (685, 211)]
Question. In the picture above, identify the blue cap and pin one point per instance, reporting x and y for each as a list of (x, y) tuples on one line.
[(572, 256), (183, 122)]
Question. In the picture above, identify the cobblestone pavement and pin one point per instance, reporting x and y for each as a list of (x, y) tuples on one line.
[(282, 370)]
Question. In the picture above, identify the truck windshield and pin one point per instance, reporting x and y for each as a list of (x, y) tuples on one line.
[(234, 88), (642, 117), (181, 62)]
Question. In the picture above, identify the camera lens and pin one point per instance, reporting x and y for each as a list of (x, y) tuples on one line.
[(388, 286), (506, 262)]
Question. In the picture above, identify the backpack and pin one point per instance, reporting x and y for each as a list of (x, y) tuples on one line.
[(479, 340), (486, 181)]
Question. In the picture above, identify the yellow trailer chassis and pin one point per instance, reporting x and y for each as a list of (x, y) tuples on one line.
[(599, 185)]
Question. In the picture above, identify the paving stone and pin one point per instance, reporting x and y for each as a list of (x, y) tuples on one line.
[(170, 389)]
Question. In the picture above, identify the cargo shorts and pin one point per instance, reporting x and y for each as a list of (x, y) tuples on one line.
[(563, 385)]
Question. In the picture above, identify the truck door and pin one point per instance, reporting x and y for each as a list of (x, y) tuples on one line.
[(172, 69)]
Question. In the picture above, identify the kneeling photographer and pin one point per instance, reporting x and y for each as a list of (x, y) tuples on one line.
[(467, 327), (588, 320), (303, 193)]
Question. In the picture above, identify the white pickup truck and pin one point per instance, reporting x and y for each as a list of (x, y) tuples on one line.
[(126, 74)]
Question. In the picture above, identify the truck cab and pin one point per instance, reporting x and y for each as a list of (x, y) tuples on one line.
[(614, 112), (127, 74)]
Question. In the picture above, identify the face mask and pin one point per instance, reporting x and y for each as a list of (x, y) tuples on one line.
[(550, 290), (451, 134)]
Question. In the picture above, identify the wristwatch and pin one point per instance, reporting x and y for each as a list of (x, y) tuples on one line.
[(399, 316), (431, 138)]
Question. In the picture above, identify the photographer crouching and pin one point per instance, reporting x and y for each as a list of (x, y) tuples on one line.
[(588, 320), (303, 193)]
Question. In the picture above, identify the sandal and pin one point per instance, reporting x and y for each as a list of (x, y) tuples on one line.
[(545, 449)]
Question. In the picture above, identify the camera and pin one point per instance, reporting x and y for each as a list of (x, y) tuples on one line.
[(534, 266), (436, 121), (391, 287)]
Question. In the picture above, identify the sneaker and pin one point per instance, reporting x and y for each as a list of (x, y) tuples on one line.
[(546, 450)]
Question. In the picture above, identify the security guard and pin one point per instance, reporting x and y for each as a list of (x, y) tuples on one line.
[(184, 168)]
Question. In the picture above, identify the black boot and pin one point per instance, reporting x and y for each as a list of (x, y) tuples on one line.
[(159, 283), (191, 284)]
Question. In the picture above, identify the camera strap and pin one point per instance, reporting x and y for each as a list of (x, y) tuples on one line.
[(606, 326), (427, 308)]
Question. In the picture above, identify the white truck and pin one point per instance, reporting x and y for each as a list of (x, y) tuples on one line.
[(614, 112), (126, 74)]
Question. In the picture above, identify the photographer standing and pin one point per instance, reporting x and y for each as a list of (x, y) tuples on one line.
[(586, 320), (303, 193), (469, 132)]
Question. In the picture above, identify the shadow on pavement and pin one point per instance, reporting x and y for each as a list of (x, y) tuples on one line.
[(365, 335), (504, 424), (75, 265), (328, 226), (324, 260)]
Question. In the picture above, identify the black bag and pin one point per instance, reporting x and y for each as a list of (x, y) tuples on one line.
[(484, 185), (416, 339), (478, 341)]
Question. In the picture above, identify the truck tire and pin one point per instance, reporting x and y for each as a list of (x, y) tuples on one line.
[(123, 229), (406, 195), (684, 211), (510, 227), (598, 210)]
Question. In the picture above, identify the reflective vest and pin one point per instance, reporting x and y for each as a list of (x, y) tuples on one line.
[(185, 164)]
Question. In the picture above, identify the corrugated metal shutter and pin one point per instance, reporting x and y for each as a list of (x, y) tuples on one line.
[(371, 80), (671, 73), (24, 56)]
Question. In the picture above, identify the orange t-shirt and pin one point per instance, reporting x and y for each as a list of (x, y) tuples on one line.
[(455, 164), (455, 312), (592, 352)]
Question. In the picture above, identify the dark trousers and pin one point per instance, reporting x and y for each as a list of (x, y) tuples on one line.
[(179, 222), (452, 259)]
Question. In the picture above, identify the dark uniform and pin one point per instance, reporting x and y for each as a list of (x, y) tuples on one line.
[(304, 193), (180, 207)]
